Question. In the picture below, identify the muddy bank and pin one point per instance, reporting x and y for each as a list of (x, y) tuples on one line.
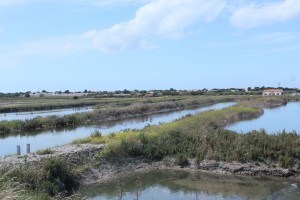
[(95, 168), (110, 169), (68, 153)]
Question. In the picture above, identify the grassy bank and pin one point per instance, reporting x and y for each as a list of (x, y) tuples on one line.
[(106, 114), (203, 137), (21, 104)]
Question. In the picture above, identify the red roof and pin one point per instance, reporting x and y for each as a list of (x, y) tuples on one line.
[(273, 90)]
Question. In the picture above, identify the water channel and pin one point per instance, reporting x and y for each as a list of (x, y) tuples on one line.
[(184, 185), (273, 120), (45, 113), (52, 138)]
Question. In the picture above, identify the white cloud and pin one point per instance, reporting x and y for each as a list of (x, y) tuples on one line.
[(158, 19), (253, 15)]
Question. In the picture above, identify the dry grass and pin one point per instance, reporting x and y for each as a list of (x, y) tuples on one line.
[(12, 190)]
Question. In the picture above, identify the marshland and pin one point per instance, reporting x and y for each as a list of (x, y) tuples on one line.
[(197, 142)]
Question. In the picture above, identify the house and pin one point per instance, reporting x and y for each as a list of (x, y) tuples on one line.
[(272, 92)]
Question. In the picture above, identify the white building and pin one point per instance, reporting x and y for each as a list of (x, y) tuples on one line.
[(273, 92)]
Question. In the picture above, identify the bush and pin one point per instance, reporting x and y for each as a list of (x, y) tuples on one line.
[(286, 162), (45, 151), (96, 134), (199, 158), (181, 160)]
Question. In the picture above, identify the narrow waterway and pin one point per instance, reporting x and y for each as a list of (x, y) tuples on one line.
[(44, 113), (273, 120), (187, 185), (46, 139)]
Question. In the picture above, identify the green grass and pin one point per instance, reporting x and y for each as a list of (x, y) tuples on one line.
[(43, 180), (168, 137), (19, 104), (154, 105), (44, 151), (14, 190), (203, 137)]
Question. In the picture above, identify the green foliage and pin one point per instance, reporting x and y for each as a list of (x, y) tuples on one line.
[(44, 151), (203, 137), (79, 170), (13, 190), (57, 177), (49, 177), (199, 157), (181, 160), (116, 109), (96, 134)]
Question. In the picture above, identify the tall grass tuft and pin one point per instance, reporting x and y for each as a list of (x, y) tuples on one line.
[(10, 189)]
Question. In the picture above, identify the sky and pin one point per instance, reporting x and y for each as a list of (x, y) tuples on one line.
[(107, 45)]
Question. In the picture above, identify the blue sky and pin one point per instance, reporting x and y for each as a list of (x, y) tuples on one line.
[(148, 44)]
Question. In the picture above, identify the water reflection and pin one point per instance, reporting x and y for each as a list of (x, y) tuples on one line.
[(45, 139), (45, 113), (171, 184), (273, 120)]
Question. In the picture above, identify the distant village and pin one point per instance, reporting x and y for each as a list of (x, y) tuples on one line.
[(264, 91)]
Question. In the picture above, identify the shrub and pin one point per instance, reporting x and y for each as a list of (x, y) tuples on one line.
[(181, 160), (13, 190), (97, 133), (57, 178), (45, 151), (199, 158)]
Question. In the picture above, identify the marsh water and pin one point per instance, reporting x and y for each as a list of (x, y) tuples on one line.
[(45, 113), (273, 120), (187, 185), (52, 138)]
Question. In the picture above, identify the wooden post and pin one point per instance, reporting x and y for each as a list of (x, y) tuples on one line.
[(27, 148), (18, 150)]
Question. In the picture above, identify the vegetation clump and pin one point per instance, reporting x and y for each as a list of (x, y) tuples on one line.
[(44, 151), (50, 178)]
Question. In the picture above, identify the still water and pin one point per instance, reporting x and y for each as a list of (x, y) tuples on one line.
[(46, 139), (45, 113), (183, 185), (273, 120)]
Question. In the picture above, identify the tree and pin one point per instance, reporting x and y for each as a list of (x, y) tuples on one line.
[(126, 92)]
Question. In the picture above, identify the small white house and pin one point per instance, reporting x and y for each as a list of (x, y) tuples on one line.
[(273, 92)]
